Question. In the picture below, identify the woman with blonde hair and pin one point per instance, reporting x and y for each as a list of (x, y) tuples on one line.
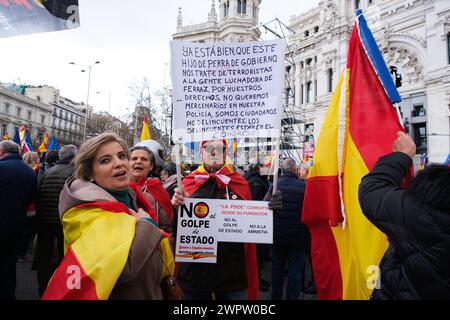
[(113, 248), (31, 158)]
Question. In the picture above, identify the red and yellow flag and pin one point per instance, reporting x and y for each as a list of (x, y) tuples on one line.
[(360, 126), (90, 272), (43, 147), (145, 134)]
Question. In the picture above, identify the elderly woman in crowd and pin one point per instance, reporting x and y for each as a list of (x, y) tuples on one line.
[(142, 163), (113, 248)]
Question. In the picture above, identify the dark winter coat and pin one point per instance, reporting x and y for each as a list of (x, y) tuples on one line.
[(258, 186), (417, 262), (288, 229), (229, 273), (49, 189), (17, 191)]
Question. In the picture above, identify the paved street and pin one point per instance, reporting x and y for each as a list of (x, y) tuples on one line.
[(27, 282)]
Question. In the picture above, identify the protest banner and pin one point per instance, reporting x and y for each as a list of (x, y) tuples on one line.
[(205, 222), (196, 233), (227, 90), (244, 221)]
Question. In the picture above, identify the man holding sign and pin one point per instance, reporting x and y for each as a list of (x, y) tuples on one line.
[(235, 275)]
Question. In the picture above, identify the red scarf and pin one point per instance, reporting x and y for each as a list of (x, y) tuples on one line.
[(155, 188), (148, 207), (226, 177)]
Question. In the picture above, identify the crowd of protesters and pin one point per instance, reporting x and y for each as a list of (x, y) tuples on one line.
[(107, 190)]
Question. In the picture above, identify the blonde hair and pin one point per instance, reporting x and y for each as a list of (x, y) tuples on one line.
[(31, 158), (85, 158)]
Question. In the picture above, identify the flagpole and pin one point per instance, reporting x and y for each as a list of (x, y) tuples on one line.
[(178, 166), (276, 164)]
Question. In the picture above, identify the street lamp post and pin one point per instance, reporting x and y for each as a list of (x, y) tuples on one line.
[(87, 67)]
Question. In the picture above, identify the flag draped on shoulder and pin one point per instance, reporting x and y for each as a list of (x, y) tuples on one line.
[(90, 272), (145, 134), (360, 126)]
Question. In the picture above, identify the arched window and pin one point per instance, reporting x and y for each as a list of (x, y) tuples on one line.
[(226, 8), (242, 6), (330, 80)]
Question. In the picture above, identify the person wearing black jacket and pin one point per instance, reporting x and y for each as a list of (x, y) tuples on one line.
[(416, 221), (48, 223), (17, 192), (290, 235)]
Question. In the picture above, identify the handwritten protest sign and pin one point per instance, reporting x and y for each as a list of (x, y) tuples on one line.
[(227, 90)]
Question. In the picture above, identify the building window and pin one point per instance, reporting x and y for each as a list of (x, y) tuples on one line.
[(226, 8), (315, 88), (330, 80), (30, 114), (420, 137), (242, 6), (254, 11), (316, 29), (19, 111), (288, 93), (3, 131), (448, 47), (42, 119), (370, 2), (308, 91), (419, 111), (357, 4), (301, 94), (306, 33), (308, 61), (7, 107)]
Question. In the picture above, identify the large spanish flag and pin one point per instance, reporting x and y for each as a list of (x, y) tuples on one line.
[(90, 272), (360, 126)]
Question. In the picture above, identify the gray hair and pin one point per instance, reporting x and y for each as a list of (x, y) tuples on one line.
[(67, 152), (289, 165), (9, 146)]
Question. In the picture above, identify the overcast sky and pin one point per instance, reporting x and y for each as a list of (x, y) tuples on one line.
[(129, 38)]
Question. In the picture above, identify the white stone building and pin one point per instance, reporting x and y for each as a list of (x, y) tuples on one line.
[(17, 110), (413, 36), (68, 117)]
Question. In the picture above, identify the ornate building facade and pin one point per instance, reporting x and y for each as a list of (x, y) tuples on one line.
[(17, 110), (413, 36)]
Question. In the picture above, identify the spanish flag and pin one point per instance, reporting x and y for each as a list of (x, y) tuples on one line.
[(145, 134), (90, 272), (25, 142), (43, 147), (360, 126)]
